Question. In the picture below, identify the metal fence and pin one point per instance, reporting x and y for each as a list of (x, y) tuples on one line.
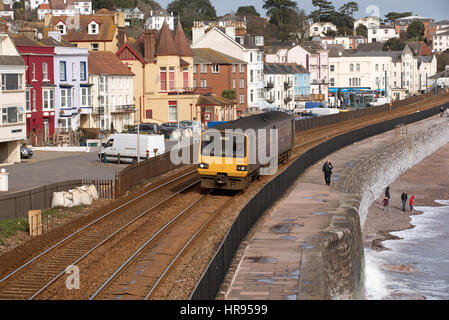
[(137, 173), (16, 204), (210, 282)]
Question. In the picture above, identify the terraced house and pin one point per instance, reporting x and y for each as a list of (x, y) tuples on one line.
[(12, 100), (112, 92), (163, 86)]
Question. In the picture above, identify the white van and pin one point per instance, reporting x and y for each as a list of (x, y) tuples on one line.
[(125, 145)]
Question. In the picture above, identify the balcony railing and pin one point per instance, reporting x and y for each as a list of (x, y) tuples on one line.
[(123, 108), (319, 82), (269, 85), (287, 85)]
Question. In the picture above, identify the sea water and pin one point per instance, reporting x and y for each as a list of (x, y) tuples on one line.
[(424, 248)]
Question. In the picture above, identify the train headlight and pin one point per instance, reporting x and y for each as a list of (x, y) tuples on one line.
[(241, 168), (203, 166)]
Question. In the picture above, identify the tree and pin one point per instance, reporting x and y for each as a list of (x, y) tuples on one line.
[(229, 94), (361, 30), (192, 10), (325, 10), (394, 44), (349, 8), (279, 11), (247, 11), (415, 29), (392, 16)]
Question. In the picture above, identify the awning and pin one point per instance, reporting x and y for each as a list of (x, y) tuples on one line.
[(65, 85)]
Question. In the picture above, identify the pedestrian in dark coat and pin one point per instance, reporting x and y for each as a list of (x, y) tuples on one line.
[(387, 195), (441, 112), (327, 170), (404, 198)]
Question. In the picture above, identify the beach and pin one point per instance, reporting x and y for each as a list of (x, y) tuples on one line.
[(427, 180), (406, 254)]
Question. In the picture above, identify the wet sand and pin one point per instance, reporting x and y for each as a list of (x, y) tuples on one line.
[(428, 181)]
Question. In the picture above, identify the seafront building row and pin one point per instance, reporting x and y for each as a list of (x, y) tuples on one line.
[(88, 73)]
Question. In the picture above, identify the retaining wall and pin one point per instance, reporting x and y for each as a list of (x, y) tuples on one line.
[(336, 267)]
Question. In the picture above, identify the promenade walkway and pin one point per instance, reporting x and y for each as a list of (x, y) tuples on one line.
[(270, 266)]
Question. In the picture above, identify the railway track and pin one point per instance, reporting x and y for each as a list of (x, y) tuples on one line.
[(142, 273), (29, 280), (139, 276)]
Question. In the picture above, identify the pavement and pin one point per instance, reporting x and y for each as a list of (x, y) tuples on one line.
[(46, 167), (271, 264)]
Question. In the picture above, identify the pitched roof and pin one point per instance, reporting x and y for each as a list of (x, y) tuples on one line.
[(214, 101), (206, 55), (283, 68), (367, 47), (21, 39), (11, 61), (106, 32), (166, 44), (181, 42), (105, 62)]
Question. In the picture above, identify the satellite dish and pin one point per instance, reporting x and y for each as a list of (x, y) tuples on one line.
[(39, 36)]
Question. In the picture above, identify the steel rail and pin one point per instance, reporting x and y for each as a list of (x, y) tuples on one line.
[(108, 238), (92, 223), (176, 257), (135, 254)]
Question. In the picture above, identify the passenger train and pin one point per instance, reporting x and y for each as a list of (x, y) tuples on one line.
[(236, 162)]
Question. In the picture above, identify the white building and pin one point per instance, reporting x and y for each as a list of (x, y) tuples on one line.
[(131, 14), (440, 41), (61, 7), (382, 34), (157, 18), (394, 74), (348, 42), (319, 29), (248, 48), (12, 101), (368, 22), (112, 92), (314, 57)]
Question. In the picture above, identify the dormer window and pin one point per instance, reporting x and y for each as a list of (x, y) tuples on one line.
[(93, 28), (60, 26)]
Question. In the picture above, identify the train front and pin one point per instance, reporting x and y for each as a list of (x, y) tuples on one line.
[(223, 160)]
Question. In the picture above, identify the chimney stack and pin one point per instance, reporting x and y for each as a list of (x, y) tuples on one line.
[(149, 37)]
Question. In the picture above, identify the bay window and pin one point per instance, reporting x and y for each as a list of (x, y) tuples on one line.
[(66, 98), (86, 97)]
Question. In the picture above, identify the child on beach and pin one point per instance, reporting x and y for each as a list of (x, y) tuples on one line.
[(412, 202), (385, 204)]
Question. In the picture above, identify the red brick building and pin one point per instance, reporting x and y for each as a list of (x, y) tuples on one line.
[(220, 72)]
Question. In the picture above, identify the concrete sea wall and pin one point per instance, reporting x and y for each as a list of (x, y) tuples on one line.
[(340, 262)]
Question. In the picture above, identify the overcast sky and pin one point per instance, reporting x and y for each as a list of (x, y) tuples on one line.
[(436, 9)]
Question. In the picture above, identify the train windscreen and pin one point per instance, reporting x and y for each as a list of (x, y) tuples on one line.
[(219, 144)]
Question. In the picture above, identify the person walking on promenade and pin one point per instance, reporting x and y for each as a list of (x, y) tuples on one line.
[(387, 196), (404, 198), (412, 202), (441, 112), (327, 169)]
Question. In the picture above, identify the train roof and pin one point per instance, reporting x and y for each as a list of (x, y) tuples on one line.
[(256, 121)]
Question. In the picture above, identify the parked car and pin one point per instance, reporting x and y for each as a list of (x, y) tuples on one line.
[(25, 152), (168, 128), (150, 128)]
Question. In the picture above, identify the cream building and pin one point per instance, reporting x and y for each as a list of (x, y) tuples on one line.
[(12, 101), (319, 29)]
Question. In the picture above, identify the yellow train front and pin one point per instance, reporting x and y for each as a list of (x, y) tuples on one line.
[(232, 167)]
